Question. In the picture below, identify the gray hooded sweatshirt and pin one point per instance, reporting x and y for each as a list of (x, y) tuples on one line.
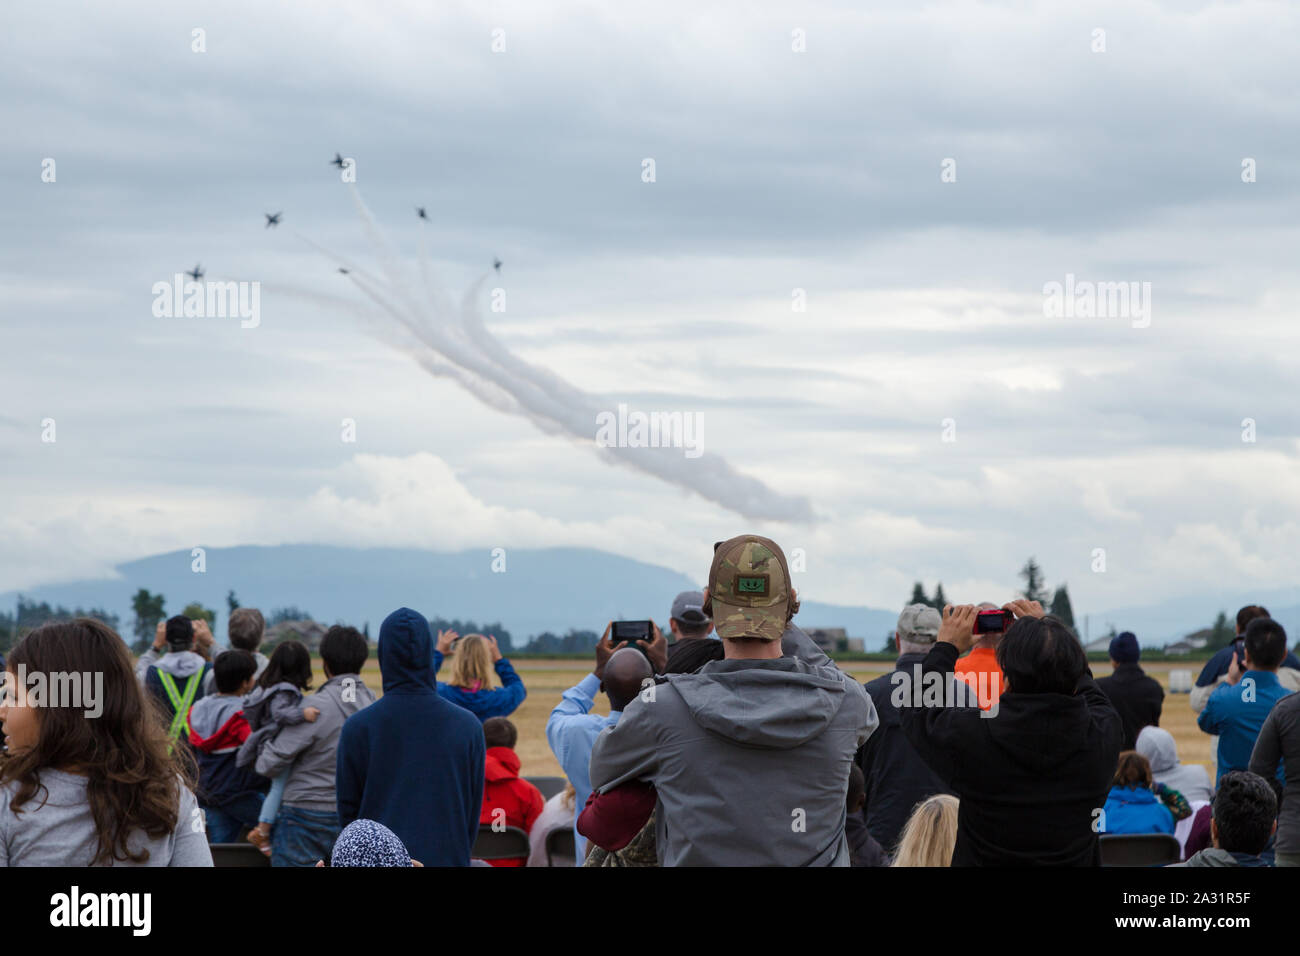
[(750, 759), (1161, 751), (180, 664), (309, 750)]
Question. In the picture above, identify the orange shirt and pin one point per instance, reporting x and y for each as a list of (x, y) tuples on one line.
[(979, 667)]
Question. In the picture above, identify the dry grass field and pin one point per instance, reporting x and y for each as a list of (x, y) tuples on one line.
[(546, 680)]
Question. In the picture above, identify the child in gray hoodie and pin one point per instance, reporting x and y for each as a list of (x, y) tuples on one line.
[(275, 702)]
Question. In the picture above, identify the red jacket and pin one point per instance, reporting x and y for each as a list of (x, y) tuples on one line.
[(504, 790)]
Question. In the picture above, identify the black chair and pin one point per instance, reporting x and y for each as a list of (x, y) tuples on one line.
[(1139, 849), (560, 848), (238, 855), (500, 845), (549, 786)]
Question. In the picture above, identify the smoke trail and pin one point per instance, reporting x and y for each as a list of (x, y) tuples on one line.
[(455, 343)]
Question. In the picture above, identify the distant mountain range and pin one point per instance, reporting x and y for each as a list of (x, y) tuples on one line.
[(547, 589)]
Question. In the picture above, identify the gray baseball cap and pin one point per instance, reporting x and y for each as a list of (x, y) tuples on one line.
[(919, 624), (689, 607)]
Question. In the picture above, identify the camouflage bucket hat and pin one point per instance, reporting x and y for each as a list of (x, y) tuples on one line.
[(749, 588)]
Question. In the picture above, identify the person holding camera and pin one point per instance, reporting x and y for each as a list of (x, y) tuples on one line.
[(979, 669), (180, 676), (750, 755), (474, 659), (572, 729), (1033, 777)]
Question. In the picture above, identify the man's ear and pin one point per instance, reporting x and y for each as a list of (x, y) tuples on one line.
[(1214, 833)]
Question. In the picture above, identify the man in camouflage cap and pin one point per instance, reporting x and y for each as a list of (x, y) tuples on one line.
[(749, 595), (749, 755)]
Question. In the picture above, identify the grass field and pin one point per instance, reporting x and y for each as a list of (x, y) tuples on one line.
[(546, 680)]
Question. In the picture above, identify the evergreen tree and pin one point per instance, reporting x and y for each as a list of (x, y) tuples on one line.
[(1034, 587), (1061, 607), (939, 600), (232, 602), (1221, 634), (918, 594), (149, 611), (194, 610)]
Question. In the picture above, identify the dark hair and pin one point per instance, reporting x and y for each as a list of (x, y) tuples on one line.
[(500, 732), (289, 662), (1247, 614), (1244, 811), (344, 650), (246, 628), (180, 633), (687, 658), (1039, 655), (1265, 643), (231, 669), (692, 629), (132, 781), (1134, 771), (857, 786)]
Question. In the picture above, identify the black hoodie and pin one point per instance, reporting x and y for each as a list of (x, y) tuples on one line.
[(1030, 779)]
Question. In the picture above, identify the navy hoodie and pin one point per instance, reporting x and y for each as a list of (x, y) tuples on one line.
[(411, 760)]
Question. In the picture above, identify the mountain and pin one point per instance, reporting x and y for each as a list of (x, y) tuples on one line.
[(549, 589), (546, 589)]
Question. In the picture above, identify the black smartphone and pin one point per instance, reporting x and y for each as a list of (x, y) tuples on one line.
[(992, 621), (631, 631)]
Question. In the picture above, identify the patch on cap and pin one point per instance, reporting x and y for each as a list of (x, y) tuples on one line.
[(749, 589)]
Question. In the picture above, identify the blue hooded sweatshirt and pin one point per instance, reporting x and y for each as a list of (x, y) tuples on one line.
[(487, 702), (411, 760), (1136, 810)]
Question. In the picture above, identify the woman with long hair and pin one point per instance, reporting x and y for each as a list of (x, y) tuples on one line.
[(88, 779), (930, 834), (474, 659)]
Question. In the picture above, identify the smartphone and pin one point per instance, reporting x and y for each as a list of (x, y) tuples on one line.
[(992, 622), (631, 631), (1238, 648)]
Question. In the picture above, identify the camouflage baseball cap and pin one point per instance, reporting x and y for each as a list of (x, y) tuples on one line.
[(749, 588)]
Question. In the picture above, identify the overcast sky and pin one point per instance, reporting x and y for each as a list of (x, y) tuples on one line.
[(775, 170)]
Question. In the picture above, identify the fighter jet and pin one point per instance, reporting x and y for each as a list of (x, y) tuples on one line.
[(496, 264), (342, 270), (196, 273), (338, 161), (272, 220), (419, 211)]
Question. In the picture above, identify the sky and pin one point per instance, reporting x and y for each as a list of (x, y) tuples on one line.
[(914, 176)]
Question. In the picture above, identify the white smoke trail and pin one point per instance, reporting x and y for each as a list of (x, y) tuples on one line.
[(456, 344)]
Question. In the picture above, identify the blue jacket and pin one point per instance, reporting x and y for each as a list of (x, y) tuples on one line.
[(1237, 720), (571, 730), (1136, 810), (499, 702), (412, 761), (1218, 665)]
